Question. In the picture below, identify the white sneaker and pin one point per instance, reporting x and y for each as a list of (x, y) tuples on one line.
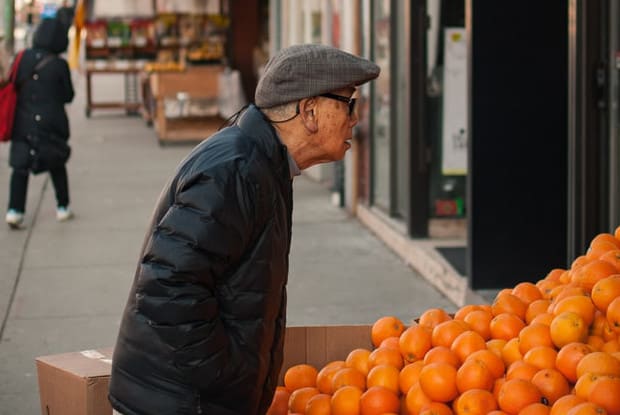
[(63, 214), (14, 218)]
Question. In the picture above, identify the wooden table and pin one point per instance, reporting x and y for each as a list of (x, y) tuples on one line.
[(132, 102)]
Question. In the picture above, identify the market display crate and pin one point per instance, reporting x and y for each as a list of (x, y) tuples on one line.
[(76, 383)]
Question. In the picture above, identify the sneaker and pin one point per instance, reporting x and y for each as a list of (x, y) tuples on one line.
[(63, 213), (14, 218)]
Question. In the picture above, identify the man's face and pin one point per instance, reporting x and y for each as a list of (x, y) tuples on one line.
[(338, 116)]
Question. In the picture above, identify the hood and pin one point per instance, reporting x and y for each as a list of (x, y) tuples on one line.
[(51, 35)]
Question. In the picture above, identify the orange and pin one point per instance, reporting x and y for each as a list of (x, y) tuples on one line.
[(617, 233), (546, 286), (508, 303), (326, 374), (568, 357), (385, 356), (358, 359), (299, 376), (568, 327), (510, 352), (444, 333), (474, 402), (320, 404), (279, 403), (516, 394), (579, 304), (527, 292), (384, 327), (441, 354), (613, 257), (416, 399), (493, 362), (584, 384), (496, 346), (499, 382), (595, 251), (535, 409), (466, 343), (596, 342), (346, 401), (564, 404), (567, 290), (611, 346), (551, 383), (479, 321), (592, 272), (605, 392), (521, 370), (433, 316), (541, 357), (506, 326), (598, 362), (384, 375), (391, 342), (464, 310), (300, 397), (587, 408), (409, 375), (348, 376), (536, 308), (438, 382), (606, 290), (378, 400), (613, 315), (474, 374), (543, 318), (554, 274), (414, 342), (532, 335), (436, 408)]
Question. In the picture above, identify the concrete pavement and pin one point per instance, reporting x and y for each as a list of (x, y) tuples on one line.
[(63, 285)]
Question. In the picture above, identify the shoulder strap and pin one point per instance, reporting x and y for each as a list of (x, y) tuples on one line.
[(48, 58), (15, 66)]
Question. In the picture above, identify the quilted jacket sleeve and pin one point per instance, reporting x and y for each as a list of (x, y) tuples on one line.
[(195, 245)]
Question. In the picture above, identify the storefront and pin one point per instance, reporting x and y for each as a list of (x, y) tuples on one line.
[(492, 132)]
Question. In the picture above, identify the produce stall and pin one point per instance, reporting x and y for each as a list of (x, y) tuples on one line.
[(171, 55)]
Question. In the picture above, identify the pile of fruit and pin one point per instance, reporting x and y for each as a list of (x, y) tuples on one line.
[(550, 347)]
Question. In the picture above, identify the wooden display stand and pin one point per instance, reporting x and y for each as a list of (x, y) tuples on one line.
[(131, 103), (197, 82)]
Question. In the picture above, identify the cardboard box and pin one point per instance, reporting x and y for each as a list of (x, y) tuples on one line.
[(77, 383)]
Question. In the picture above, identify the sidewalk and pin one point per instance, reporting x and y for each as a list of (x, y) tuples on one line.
[(63, 286)]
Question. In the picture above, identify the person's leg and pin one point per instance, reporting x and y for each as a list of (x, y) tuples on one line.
[(18, 190), (61, 187)]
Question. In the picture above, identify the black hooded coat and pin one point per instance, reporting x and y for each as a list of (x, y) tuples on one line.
[(42, 96)]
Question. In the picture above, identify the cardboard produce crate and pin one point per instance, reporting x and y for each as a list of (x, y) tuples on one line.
[(76, 383)]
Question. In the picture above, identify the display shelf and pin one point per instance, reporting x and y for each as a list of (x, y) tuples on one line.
[(195, 83)]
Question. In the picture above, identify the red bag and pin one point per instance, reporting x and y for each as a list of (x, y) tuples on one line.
[(8, 101)]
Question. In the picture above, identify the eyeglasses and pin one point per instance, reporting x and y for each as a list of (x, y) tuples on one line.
[(350, 101)]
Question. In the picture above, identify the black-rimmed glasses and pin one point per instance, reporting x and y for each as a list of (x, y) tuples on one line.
[(350, 101)]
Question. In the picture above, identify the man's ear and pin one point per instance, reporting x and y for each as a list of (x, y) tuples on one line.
[(308, 114)]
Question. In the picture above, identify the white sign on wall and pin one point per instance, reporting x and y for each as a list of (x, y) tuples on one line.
[(454, 126)]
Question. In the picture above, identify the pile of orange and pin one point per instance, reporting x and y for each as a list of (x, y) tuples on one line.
[(545, 348)]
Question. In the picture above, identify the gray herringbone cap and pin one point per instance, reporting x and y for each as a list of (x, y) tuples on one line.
[(304, 71)]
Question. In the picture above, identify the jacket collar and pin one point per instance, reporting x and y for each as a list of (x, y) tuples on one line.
[(253, 123)]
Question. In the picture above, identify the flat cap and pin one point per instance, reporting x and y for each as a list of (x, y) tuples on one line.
[(303, 71)]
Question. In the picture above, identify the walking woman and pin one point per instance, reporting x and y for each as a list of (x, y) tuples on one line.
[(41, 128)]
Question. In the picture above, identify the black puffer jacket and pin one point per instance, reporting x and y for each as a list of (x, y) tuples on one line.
[(202, 331), (41, 99)]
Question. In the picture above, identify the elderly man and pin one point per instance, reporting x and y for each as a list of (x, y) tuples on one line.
[(202, 331)]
